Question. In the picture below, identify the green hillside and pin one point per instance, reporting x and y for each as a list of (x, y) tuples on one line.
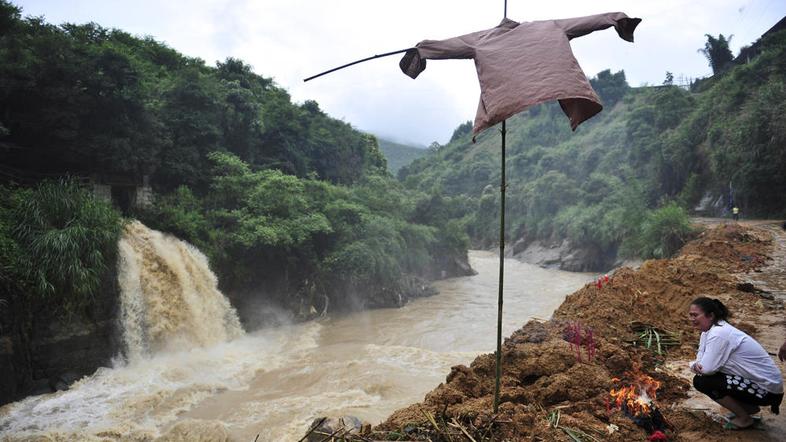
[(623, 181), (293, 207), (399, 155)]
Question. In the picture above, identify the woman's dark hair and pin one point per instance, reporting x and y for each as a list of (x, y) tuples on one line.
[(714, 307)]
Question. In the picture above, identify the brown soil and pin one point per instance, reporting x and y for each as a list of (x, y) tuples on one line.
[(543, 377)]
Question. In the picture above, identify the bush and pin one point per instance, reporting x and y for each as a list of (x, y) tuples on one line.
[(66, 237), (664, 231), (10, 255), (181, 214)]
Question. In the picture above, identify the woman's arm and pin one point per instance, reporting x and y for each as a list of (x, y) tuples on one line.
[(716, 353), (694, 365)]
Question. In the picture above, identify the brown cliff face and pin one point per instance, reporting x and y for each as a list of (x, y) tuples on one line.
[(41, 350)]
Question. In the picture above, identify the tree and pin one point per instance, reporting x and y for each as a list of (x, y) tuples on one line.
[(9, 16), (610, 87), (717, 52), (461, 131), (192, 114), (669, 79)]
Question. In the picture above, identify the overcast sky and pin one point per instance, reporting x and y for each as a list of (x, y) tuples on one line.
[(290, 40)]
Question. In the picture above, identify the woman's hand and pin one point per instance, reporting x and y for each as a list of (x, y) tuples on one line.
[(696, 368)]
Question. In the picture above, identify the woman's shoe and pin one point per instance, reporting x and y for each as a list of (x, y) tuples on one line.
[(730, 416), (731, 426)]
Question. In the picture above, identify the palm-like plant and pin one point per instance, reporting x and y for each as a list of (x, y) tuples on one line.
[(717, 52), (68, 236)]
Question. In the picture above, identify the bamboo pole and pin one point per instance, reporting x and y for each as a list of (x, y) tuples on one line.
[(502, 186), (498, 371), (356, 62)]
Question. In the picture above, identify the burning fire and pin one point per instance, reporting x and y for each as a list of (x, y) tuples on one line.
[(637, 402), (636, 399)]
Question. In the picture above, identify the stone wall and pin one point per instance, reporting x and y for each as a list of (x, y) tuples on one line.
[(141, 197), (103, 192), (144, 197)]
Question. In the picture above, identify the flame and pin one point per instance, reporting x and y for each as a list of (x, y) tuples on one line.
[(635, 399)]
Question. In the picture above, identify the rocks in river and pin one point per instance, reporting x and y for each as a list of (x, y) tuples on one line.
[(563, 255), (63, 381), (336, 426), (539, 253), (461, 267)]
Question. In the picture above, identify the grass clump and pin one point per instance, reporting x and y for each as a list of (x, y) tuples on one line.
[(62, 240), (665, 231)]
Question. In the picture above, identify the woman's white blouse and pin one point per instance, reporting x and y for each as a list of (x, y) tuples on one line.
[(726, 349)]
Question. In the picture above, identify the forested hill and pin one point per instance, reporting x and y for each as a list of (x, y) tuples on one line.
[(623, 180), (399, 155), (294, 208), (85, 99)]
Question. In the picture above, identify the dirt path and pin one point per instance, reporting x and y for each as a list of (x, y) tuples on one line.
[(770, 331)]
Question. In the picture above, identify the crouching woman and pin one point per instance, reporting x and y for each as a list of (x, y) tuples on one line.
[(731, 367)]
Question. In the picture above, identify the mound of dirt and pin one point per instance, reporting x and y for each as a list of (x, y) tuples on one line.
[(541, 374), (557, 375), (732, 247)]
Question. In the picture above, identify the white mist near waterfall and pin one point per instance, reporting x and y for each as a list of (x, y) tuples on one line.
[(169, 297)]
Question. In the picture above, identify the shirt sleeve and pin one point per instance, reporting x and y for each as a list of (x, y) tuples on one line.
[(414, 61), (716, 353), (700, 353), (580, 26)]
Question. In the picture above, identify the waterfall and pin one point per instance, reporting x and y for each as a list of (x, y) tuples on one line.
[(169, 297)]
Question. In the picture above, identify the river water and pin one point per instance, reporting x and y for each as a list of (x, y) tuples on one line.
[(274, 382)]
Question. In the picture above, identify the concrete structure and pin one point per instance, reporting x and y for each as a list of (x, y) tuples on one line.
[(126, 193)]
